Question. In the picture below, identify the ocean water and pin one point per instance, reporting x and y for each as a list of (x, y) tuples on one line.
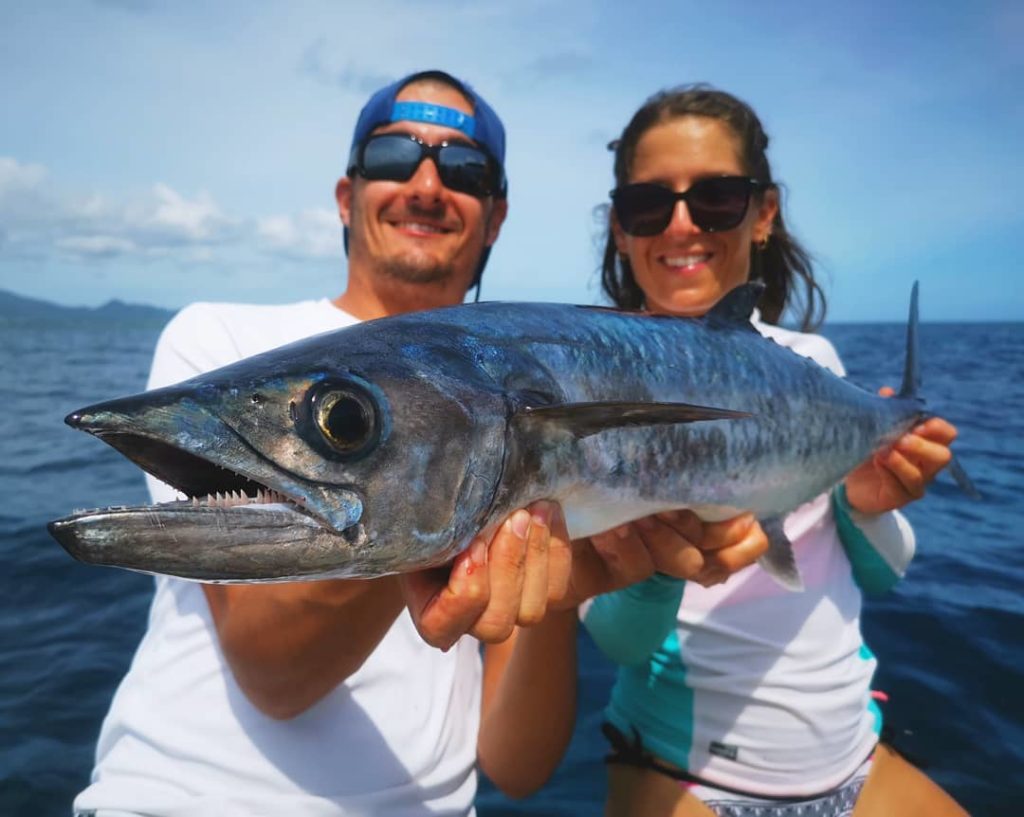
[(949, 638)]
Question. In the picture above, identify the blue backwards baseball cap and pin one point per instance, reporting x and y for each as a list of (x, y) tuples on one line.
[(483, 127)]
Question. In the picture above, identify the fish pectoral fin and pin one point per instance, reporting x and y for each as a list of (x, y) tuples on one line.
[(779, 562), (584, 419)]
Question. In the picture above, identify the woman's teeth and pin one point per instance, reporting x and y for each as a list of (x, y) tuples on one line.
[(686, 260)]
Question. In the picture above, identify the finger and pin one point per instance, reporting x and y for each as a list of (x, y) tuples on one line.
[(445, 602), (906, 474), (629, 560), (687, 523), (741, 554), (887, 391), (710, 576), (589, 575), (506, 563), (937, 430), (930, 457), (560, 556), (533, 603), (672, 553), (727, 532)]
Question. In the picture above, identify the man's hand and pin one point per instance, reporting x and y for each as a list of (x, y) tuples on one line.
[(900, 473), (529, 567), (495, 585)]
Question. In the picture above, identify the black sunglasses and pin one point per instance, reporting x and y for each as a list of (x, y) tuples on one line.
[(716, 203), (394, 157)]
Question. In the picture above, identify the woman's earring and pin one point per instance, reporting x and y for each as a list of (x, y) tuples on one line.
[(762, 245)]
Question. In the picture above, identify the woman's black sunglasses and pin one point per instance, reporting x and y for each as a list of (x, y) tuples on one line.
[(463, 168), (715, 204)]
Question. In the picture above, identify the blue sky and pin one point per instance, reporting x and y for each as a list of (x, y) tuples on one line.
[(165, 152)]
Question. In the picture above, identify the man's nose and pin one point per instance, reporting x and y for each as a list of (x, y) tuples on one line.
[(425, 184)]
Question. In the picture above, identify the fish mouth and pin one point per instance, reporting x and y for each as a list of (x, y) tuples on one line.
[(243, 519), (202, 480)]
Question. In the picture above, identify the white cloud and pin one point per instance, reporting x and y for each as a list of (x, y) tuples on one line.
[(15, 176), (313, 233), (95, 246), (169, 213), (38, 218)]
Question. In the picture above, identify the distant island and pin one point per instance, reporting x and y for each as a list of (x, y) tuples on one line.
[(17, 309)]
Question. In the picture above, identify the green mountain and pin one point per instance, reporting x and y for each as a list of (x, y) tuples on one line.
[(18, 308)]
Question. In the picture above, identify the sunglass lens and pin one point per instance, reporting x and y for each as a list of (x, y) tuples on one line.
[(390, 158), (719, 203), (465, 170), (644, 209)]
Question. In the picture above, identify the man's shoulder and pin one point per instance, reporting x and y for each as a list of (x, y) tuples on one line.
[(207, 335), (288, 321), (225, 311)]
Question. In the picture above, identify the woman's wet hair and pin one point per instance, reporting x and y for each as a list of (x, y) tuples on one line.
[(783, 265)]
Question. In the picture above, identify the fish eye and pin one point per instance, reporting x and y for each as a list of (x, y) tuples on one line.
[(346, 418)]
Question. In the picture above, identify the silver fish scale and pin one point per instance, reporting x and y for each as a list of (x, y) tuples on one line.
[(809, 428)]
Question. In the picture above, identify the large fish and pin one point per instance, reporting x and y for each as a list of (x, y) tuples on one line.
[(386, 446)]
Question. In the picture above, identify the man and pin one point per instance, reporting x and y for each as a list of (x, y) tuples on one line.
[(326, 698)]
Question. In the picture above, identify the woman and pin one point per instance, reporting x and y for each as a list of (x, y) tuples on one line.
[(745, 698)]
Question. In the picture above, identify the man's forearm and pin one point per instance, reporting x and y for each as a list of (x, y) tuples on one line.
[(289, 645), (529, 706)]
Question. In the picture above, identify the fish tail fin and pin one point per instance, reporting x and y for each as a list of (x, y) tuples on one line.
[(911, 367), (966, 484), (912, 385)]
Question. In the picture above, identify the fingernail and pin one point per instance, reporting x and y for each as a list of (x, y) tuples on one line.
[(668, 516), (542, 513), (622, 531), (519, 523), (646, 523), (477, 553)]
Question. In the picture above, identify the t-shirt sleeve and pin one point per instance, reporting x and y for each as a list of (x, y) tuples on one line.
[(880, 547), (629, 624)]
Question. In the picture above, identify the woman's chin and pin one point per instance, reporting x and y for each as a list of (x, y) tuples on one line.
[(685, 304)]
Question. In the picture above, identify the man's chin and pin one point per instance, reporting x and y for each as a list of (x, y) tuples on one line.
[(417, 271)]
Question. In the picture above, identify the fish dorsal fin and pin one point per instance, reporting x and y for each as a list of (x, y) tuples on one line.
[(584, 419), (911, 370), (737, 305)]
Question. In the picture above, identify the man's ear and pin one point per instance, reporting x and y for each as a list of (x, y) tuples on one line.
[(498, 212), (343, 195)]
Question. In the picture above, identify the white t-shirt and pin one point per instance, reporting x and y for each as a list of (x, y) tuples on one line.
[(181, 739)]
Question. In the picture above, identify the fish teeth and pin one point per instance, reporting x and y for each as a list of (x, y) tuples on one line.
[(231, 499)]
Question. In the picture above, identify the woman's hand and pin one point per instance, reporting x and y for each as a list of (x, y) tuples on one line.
[(900, 473), (676, 543)]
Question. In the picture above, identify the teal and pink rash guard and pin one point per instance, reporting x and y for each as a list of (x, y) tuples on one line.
[(747, 685)]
